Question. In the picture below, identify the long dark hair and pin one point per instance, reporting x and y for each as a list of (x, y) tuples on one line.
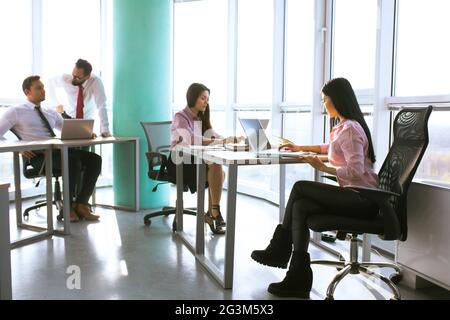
[(194, 91), (341, 93)]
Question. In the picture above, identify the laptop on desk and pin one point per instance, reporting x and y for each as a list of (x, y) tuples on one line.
[(259, 143), (77, 129)]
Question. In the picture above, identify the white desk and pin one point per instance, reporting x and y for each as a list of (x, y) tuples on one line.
[(64, 147), (232, 160), (5, 246), (17, 147)]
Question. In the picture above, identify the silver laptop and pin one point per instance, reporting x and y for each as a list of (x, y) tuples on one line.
[(259, 143), (77, 129)]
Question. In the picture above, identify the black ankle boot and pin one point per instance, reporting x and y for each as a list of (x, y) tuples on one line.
[(278, 252), (298, 280)]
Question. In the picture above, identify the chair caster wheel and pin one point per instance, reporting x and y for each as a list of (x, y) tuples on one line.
[(147, 222), (329, 298), (396, 278)]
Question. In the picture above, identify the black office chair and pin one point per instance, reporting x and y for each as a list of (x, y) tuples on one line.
[(410, 142), (158, 139)]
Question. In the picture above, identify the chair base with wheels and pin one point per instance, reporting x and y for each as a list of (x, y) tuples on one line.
[(166, 211), (57, 202), (355, 267)]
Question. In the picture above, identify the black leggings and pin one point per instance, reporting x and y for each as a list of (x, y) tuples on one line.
[(308, 198)]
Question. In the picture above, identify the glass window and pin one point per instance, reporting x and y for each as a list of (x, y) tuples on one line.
[(200, 48), (16, 47), (354, 46), (299, 66), (70, 30), (297, 128), (255, 51), (422, 48), (434, 166)]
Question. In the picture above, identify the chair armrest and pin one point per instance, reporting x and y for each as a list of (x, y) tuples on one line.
[(381, 198), (333, 178), (155, 159)]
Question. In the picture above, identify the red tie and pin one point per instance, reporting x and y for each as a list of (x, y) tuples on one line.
[(80, 103)]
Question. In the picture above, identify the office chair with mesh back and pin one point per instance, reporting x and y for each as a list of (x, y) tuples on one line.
[(410, 142), (158, 139)]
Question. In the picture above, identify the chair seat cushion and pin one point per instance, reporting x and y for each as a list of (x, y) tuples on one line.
[(328, 222)]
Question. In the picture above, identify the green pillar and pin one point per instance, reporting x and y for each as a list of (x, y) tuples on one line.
[(141, 90)]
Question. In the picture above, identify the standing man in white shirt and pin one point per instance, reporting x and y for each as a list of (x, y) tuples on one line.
[(85, 92)]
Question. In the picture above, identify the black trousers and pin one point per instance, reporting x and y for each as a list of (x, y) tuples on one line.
[(308, 198), (79, 161)]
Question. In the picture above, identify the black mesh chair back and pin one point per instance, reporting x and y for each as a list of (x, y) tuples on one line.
[(410, 140), (158, 140)]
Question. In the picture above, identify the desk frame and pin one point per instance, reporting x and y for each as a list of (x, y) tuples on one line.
[(225, 279), (16, 148), (64, 147), (5, 245)]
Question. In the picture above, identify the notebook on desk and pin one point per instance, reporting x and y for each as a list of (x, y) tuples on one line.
[(259, 143), (77, 129)]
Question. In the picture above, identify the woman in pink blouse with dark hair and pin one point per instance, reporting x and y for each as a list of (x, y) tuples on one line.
[(350, 158), (192, 126)]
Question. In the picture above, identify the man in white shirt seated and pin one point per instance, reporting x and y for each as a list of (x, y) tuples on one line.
[(85, 92), (30, 123)]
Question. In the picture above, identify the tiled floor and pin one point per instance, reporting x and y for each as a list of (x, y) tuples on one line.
[(120, 258)]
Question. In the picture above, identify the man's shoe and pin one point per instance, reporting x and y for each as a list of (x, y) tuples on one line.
[(83, 211)]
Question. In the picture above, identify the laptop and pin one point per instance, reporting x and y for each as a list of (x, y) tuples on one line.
[(259, 143), (77, 129)]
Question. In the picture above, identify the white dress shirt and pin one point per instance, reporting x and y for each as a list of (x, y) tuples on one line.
[(27, 123), (94, 97)]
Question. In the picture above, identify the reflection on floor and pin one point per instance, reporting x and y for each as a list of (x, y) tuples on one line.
[(120, 258)]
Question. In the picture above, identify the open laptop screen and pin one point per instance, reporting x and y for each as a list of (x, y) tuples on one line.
[(257, 138), (78, 129)]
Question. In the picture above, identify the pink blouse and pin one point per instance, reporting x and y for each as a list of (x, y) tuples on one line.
[(348, 153), (186, 129)]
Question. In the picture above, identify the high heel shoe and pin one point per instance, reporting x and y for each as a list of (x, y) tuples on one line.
[(213, 223), (220, 221)]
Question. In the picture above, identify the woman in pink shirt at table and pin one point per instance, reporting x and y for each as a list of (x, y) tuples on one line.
[(192, 126), (351, 157)]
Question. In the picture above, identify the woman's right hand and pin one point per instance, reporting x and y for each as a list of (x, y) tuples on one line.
[(290, 147), (233, 139)]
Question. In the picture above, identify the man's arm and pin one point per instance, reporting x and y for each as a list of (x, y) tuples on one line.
[(100, 101)]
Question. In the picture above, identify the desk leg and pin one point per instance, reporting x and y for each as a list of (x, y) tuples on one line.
[(18, 189), (200, 234), (179, 204), (48, 174), (66, 192), (5, 247), (282, 199), (136, 175), (231, 226)]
